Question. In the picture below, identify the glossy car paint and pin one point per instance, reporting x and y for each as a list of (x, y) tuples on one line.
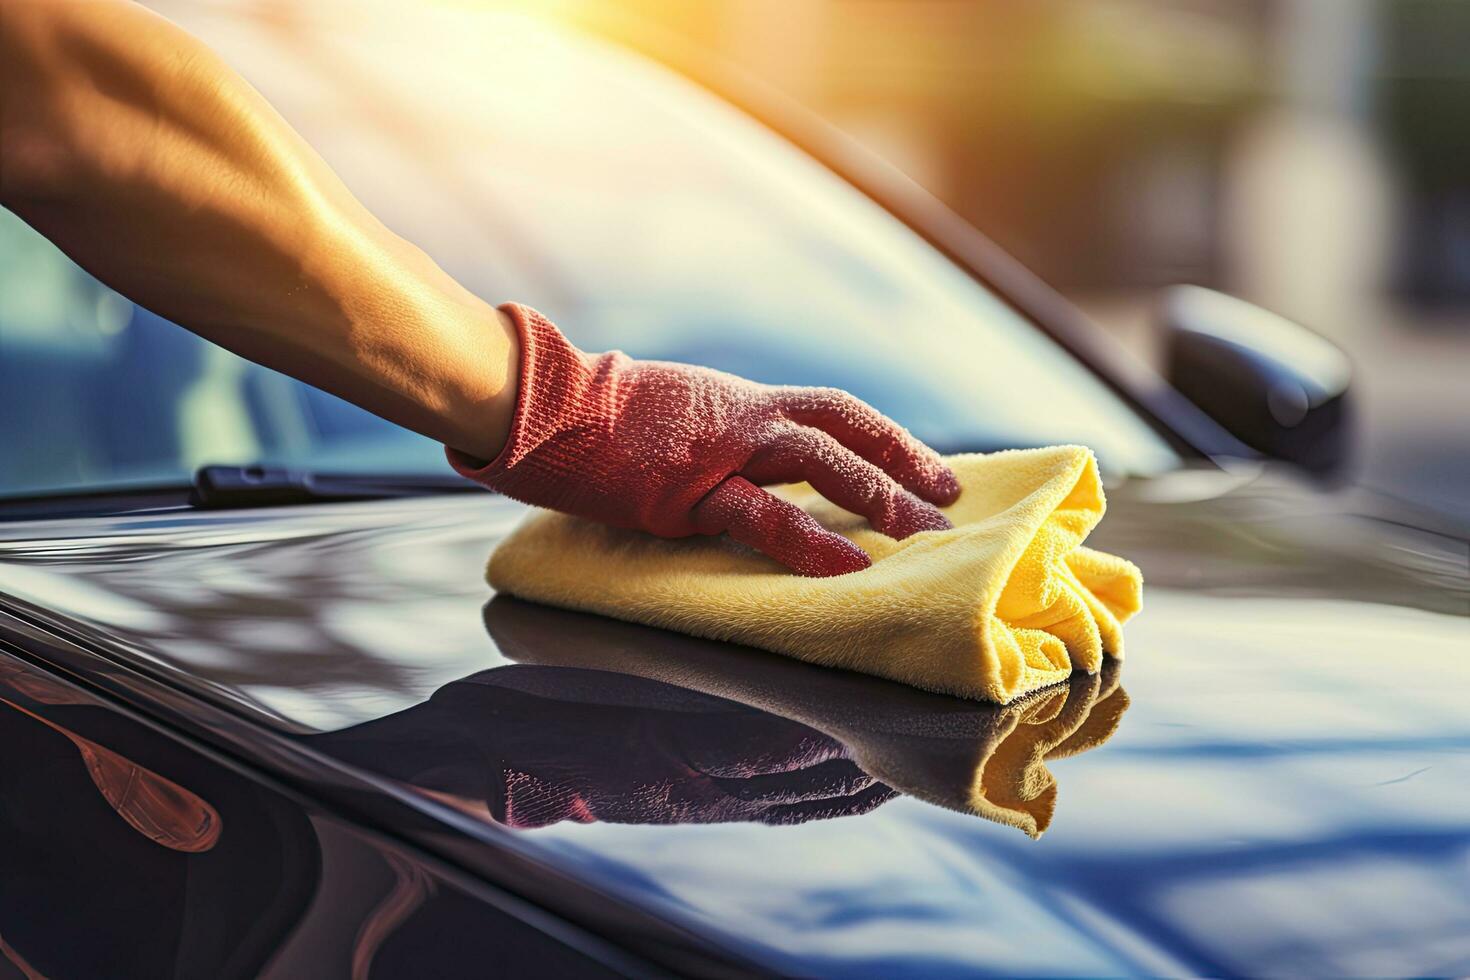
[(1286, 790), (129, 854)]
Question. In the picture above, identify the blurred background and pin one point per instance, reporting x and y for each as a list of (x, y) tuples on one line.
[(1311, 156)]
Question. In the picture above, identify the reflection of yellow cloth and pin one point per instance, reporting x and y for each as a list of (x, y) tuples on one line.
[(983, 759), (1005, 603), (1012, 784)]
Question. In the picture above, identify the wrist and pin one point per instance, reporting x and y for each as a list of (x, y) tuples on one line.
[(556, 392), (479, 403)]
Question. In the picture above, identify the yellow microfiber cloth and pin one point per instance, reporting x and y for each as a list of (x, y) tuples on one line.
[(1005, 603)]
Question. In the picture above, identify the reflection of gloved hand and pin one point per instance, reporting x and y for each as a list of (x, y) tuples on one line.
[(539, 745), (985, 759), (643, 766), (678, 450)]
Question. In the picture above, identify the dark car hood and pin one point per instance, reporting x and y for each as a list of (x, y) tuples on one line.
[(1276, 781)]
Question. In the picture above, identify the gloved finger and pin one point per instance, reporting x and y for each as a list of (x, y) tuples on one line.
[(777, 528), (836, 778), (864, 801), (875, 437), (767, 744), (846, 479)]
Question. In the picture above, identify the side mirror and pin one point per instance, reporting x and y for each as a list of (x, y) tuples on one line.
[(1276, 386)]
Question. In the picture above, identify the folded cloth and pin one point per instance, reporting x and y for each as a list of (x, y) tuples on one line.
[(1005, 603)]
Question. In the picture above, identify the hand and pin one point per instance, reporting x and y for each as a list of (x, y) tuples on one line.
[(530, 746), (677, 450)]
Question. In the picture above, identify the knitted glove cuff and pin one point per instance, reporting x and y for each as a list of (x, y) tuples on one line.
[(555, 378)]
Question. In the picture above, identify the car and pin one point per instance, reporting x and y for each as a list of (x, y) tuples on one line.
[(263, 717)]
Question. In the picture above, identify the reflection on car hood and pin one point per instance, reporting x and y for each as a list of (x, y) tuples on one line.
[(1276, 781)]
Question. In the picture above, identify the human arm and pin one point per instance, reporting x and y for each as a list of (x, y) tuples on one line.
[(156, 167)]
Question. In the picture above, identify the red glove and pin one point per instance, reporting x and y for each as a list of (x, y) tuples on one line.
[(677, 450)]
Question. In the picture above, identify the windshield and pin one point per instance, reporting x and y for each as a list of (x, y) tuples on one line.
[(630, 206)]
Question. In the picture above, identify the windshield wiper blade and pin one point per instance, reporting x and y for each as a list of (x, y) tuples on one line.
[(270, 486), (220, 487)]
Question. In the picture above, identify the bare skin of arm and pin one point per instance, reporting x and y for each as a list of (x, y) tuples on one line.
[(161, 171)]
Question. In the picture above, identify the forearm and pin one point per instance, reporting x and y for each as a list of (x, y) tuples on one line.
[(155, 166)]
